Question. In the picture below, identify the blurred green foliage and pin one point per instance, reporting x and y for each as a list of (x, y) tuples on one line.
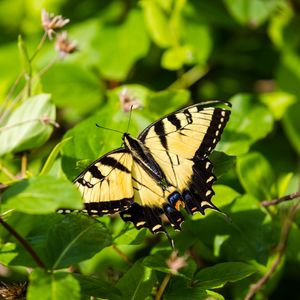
[(158, 55)]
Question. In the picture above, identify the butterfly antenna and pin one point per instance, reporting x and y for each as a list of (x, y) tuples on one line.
[(130, 112), (115, 130)]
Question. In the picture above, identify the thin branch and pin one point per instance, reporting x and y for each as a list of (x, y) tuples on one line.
[(121, 254), (189, 78), (39, 46), (254, 288), (282, 199), (18, 79), (9, 95), (163, 286), (24, 163), (24, 243), (7, 172)]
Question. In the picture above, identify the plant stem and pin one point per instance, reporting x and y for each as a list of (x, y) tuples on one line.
[(189, 78), (24, 162), (24, 243), (121, 254), (20, 76), (39, 46), (7, 172), (254, 288), (282, 199), (163, 286)]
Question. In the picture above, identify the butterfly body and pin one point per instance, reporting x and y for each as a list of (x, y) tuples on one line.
[(163, 170)]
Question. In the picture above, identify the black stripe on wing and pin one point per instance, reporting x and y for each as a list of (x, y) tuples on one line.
[(112, 162), (99, 208), (144, 217), (214, 132), (107, 207)]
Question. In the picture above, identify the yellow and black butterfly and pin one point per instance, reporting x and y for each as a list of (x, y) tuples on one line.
[(165, 168)]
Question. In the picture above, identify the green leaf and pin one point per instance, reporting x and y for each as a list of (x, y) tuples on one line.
[(137, 283), (278, 24), (96, 287), (179, 289), (256, 175), (51, 158), (283, 184), (288, 73), (222, 163), (7, 253), (199, 38), (218, 242), (130, 236), (74, 239), (28, 126), (165, 102), (292, 250), (219, 274), (249, 122), (176, 57), (251, 12), (55, 286), (121, 45), (42, 195), (157, 261), (225, 195), (292, 125), (278, 102), (214, 295), (74, 88), (157, 23), (90, 142), (250, 233)]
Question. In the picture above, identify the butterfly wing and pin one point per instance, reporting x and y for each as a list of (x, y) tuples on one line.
[(149, 202), (180, 144), (106, 185)]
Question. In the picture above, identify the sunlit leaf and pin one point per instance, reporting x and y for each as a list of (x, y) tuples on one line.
[(75, 238), (41, 195), (256, 175), (157, 22), (278, 102), (120, 46), (252, 12), (52, 156), (29, 126), (292, 125), (137, 283), (219, 274), (56, 286), (249, 122), (96, 287)]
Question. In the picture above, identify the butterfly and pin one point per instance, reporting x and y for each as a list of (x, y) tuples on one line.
[(165, 168)]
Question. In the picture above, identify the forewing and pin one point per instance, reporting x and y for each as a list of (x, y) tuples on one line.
[(106, 185), (180, 143)]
